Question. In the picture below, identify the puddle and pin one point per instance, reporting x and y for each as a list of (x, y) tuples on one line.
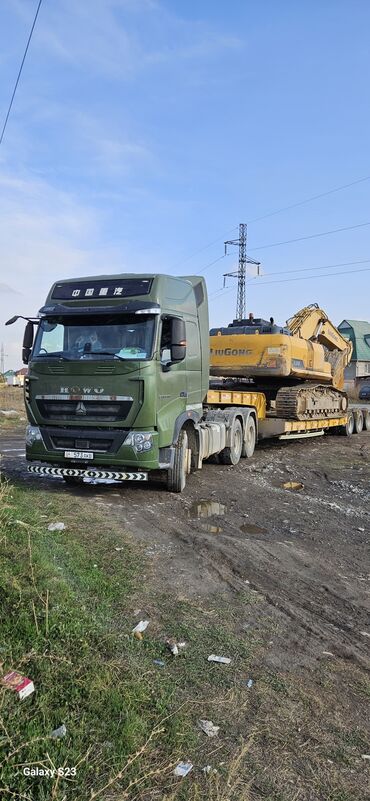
[(211, 529), (293, 485), (249, 528), (201, 509)]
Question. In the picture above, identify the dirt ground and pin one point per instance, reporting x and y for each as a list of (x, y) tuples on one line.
[(304, 553)]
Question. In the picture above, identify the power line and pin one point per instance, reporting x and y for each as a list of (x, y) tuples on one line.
[(310, 236), (308, 269), (310, 199), (205, 247), (20, 71), (322, 267), (213, 262), (279, 211), (288, 280)]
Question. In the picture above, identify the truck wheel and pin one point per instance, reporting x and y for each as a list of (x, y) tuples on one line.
[(176, 477), (249, 442), (232, 454), (367, 420), (347, 430), (359, 421)]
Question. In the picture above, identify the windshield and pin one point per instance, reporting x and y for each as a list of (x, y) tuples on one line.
[(80, 338)]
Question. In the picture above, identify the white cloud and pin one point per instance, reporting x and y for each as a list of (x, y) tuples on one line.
[(119, 38), (46, 235)]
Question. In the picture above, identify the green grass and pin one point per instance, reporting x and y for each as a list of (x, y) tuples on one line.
[(67, 602), (64, 623)]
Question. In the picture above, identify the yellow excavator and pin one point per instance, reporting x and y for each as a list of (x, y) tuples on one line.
[(299, 367)]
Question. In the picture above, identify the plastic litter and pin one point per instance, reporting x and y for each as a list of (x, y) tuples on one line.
[(56, 526), (327, 653), (208, 727), (365, 633), (183, 768), (20, 684), (249, 683), (159, 662), (293, 485), (223, 660), (140, 627), (172, 646), (118, 549), (365, 756), (209, 769), (61, 731)]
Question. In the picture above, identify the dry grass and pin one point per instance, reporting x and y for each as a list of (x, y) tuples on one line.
[(12, 398)]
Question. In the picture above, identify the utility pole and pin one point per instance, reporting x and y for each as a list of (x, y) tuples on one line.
[(240, 274), (2, 360)]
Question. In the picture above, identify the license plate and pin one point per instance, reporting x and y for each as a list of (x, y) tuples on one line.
[(78, 455)]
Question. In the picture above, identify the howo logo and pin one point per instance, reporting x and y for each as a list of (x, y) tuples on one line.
[(82, 390)]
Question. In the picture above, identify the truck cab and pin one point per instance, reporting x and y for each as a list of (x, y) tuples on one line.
[(117, 366)]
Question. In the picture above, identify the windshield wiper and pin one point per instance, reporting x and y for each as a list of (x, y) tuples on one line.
[(103, 353), (53, 356)]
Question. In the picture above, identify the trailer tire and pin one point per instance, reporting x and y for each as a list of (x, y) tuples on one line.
[(367, 420), (232, 454), (249, 442), (359, 421), (176, 476), (347, 430)]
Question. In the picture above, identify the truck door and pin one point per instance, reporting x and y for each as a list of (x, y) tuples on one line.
[(193, 365), (171, 386)]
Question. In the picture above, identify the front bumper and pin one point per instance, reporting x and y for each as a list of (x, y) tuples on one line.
[(75, 472), (118, 457)]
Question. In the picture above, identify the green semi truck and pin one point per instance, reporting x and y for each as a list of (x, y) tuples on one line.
[(118, 379), (118, 384)]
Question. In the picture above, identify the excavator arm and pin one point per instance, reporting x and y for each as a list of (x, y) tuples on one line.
[(313, 324)]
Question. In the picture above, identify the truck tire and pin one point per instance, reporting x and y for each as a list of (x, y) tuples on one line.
[(176, 476), (232, 454), (359, 421), (367, 420), (347, 430), (249, 442)]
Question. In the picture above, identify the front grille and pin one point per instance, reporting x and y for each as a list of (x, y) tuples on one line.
[(69, 443), (87, 410), (63, 439)]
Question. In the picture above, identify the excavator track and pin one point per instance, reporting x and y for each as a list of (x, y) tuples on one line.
[(310, 402)]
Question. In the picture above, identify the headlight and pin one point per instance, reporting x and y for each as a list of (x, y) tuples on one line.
[(139, 441), (33, 434)]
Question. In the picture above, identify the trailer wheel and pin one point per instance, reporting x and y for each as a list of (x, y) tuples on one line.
[(367, 420), (359, 421), (347, 430), (249, 442), (176, 476), (232, 454)]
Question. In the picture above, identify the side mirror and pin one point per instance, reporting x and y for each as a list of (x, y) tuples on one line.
[(178, 340), (27, 343)]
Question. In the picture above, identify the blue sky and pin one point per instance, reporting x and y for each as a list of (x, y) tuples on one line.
[(143, 131)]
